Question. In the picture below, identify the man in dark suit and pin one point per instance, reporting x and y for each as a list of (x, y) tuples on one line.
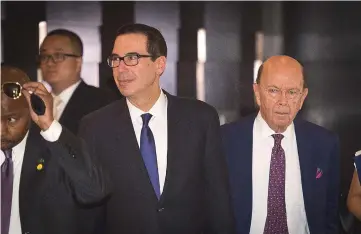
[(47, 185), (284, 172), (163, 152), (60, 60)]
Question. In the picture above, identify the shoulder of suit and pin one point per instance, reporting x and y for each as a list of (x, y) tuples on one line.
[(315, 131), (191, 105), (105, 112), (238, 125), (96, 93), (34, 133), (90, 88)]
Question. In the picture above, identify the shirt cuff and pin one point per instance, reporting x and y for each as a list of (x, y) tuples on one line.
[(53, 132)]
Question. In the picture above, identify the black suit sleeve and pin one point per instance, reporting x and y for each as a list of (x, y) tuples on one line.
[(86, 178), (219, 216)]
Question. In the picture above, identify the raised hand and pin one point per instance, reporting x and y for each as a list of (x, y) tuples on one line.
[(37, 88)]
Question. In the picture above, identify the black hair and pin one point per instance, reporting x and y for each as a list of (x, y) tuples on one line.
[(156, 45)]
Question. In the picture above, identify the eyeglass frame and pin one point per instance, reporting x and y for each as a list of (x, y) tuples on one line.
[(48, 56), (299, 93), (12, 82), (128, 55)]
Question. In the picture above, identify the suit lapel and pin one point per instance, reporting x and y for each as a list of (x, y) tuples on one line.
[(238, 146), (248, 152), (73, 104), (126, 139), (126, 142), (308, 166), (32, 180), (245, 157), (173, 119)]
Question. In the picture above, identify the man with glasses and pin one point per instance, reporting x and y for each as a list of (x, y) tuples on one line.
[(60, 61), (47, 186), (284, 171), (163, 152)]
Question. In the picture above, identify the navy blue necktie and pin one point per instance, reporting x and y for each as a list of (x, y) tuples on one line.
[(6, 190), (147, 149)]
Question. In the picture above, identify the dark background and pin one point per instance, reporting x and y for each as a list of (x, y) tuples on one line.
[(324, 36)]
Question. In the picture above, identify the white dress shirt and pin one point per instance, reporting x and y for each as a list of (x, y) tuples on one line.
[(158, 125), (263, 143), (62, 99), (17, 157), (18, 151)]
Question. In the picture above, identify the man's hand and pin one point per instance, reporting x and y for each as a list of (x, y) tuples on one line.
[(43, 121)]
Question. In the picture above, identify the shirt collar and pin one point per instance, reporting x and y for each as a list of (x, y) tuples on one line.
[(66, 94), (158, 110), (19, 149), (263, 128)]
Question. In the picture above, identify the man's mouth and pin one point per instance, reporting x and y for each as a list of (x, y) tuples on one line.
[(123, 82)]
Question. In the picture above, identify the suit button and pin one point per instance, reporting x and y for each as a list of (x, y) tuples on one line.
[(26, 232), (161, 209)]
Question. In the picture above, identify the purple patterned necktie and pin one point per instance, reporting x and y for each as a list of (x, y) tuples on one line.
[(276, 222), (7, 169)]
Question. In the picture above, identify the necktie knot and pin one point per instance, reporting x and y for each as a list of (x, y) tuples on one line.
[(56, 104), (57, 101), (146, 118), (278, 138), (8, 153)]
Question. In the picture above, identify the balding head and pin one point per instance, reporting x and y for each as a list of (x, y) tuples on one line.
[(280, 91), (11, 74), (15, 115), (277, 62)]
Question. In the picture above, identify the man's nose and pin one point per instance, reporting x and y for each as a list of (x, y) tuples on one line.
[(122, 67), (283, 99)]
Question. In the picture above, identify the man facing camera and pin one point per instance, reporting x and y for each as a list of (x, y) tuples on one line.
[(163, 152), (61, 59), (284, 171), (46, 185)]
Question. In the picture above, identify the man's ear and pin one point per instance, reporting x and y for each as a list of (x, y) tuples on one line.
[(79, 62), (256, 90), (303, 97), (160, 65)]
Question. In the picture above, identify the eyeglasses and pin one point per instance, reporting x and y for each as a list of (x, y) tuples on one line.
[(57, 57), (12, 89), (276, 93), (129, 59)]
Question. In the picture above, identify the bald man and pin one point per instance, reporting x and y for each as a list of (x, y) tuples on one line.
[(45, 185), (284, 171)]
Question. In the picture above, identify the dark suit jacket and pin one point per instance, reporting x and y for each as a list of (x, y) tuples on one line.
[(60, 197), (317, 148), (196, 195), (85, 99)]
